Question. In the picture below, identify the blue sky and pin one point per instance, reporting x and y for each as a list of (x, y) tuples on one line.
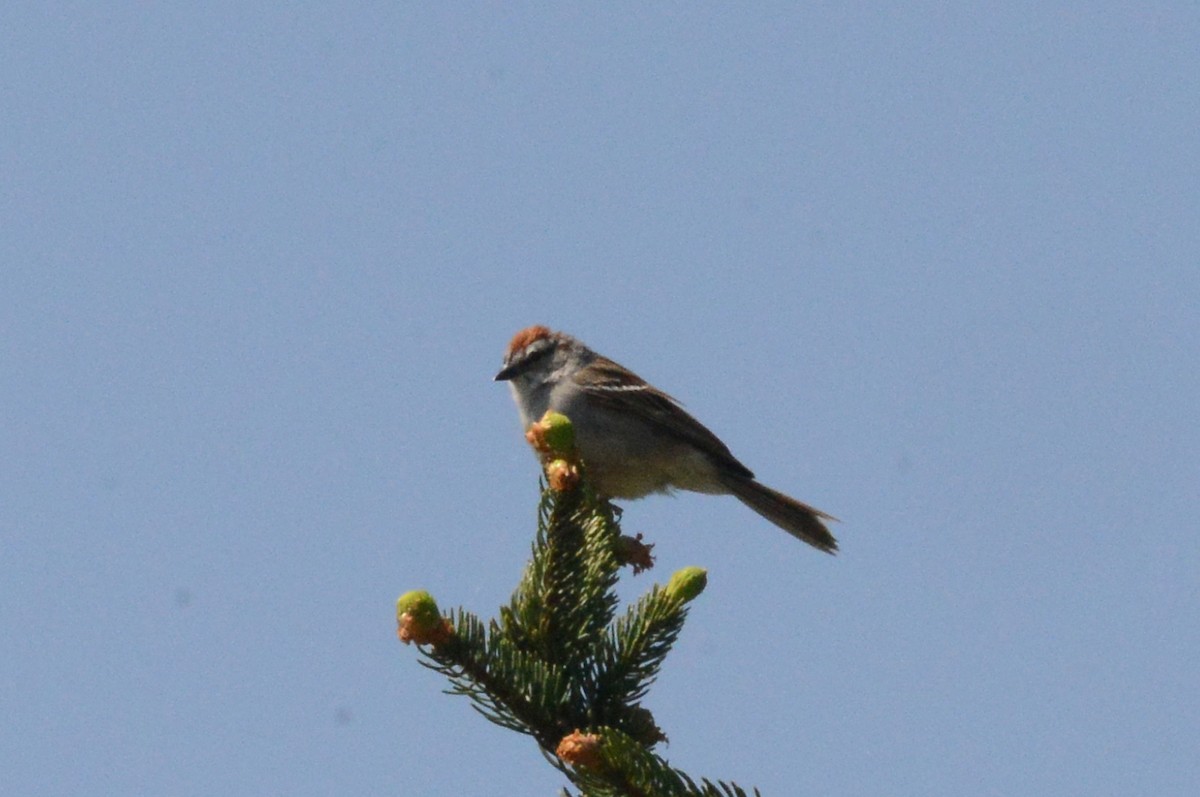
[(933, 269)]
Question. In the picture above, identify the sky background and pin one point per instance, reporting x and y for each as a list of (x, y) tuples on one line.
[(933, 269)]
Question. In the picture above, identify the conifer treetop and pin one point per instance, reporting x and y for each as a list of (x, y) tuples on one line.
[(557, 663)]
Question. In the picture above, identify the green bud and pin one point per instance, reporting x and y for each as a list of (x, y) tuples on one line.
[(687, 583), (420, 606), (558, 433)]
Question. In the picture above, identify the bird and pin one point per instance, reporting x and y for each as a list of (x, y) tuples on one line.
[(635, 439)]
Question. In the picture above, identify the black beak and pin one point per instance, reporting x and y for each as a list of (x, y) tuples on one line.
[(506, 373)]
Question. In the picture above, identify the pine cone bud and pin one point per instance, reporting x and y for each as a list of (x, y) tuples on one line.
[(419, 620), (559, 434), (552, 436), (581, 750), (687, 583), (562, 475)]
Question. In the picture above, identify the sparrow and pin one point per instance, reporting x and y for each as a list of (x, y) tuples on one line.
[(635, 439)]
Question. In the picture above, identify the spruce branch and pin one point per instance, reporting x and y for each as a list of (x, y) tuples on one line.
[(557, 664), (610, 764)]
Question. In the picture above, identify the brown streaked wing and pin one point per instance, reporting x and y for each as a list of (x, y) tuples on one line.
[(611, 385)]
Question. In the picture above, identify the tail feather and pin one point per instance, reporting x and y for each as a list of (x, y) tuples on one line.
[(796, 518)]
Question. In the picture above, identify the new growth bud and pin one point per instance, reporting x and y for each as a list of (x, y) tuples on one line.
[(562, 475), (419, 620), (687, 583), (552, 436), (559, 434), (581, 750)]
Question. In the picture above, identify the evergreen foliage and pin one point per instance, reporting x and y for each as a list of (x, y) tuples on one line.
[(558, 664)]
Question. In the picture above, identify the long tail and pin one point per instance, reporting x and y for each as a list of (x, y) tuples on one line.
[(798, 519)]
